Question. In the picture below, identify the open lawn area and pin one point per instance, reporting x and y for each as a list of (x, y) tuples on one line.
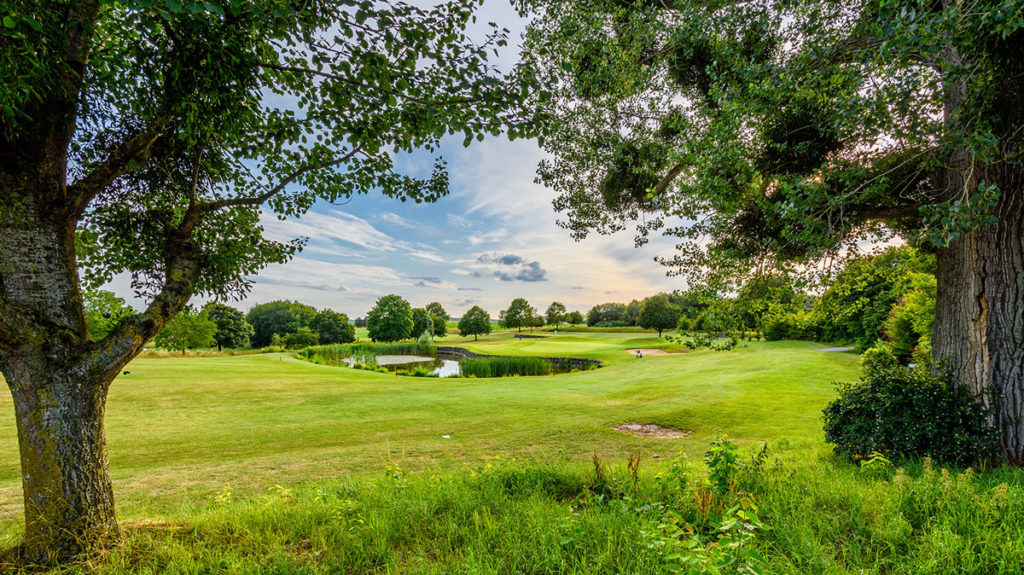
[(183, 428), (269, 464)]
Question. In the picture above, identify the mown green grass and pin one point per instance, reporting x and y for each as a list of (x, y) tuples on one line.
[(181, 429), (269, 464)]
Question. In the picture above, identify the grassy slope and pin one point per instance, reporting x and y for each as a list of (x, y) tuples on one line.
[(184, 428)]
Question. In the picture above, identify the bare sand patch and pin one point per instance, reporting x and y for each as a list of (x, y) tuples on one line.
[(646, 351), (651, 430)]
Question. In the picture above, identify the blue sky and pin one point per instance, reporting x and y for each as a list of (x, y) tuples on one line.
[(494, 238)]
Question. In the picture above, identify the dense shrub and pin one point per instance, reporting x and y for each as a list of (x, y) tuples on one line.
[(797, 325), (877, 358), (909, 413), (613, 323), (302, 337), (504, 366)]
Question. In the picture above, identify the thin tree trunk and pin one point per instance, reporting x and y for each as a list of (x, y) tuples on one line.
[(979, 319)]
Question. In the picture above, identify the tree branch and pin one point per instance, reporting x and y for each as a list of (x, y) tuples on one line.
[(669, 177), (85, 189), (340, 78), (131, 334), (195, 212)]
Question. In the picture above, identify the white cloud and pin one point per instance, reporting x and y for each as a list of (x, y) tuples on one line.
[(333, 226), (424, 255)]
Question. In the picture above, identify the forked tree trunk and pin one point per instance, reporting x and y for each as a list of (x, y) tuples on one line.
[(59, 391), (979, 317)]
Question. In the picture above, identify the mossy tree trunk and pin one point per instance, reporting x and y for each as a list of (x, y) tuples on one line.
[(979, 318), (69, 501), (58, 378)]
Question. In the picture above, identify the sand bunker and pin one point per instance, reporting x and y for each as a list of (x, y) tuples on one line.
[(651, 351), (651, 430)]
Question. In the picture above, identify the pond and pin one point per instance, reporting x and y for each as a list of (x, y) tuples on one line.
[(436, 365)]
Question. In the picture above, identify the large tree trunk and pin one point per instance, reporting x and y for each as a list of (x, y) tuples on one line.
[(58, 381), (979, 318), (69, 500)]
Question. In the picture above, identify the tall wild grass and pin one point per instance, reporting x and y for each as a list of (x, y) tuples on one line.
[(804, 512), (504, 366)]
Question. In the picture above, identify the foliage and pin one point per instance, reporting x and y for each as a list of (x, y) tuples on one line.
[(422, 322), (720, 316), (765, 296), (436, 309), (504, 366), (632, 315), (859, 299), (910, 320), (555, 313), (278, 317), (813, 510), (659, 313), (784, 132), (233, 331), (301, 338), (790, 325), (519, 314), (719, 535), (475, 322), (363, 353), (574, 318), (390, 319), (332, 327), (606, 312), (440, 317), (188, 330), (103, 310), (909, 413)]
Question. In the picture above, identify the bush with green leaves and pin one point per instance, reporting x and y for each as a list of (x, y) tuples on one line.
[(790, 325), (909, 413), (188, 330), (300, 338)]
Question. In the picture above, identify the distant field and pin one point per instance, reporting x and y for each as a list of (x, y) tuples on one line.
[(180, 429)]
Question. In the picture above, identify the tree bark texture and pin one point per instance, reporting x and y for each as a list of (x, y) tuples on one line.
[(979, 315), (69, 499), (59, 391)]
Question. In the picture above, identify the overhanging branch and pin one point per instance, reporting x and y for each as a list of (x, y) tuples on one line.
[(667, 180), (84, 190), (197, 211)]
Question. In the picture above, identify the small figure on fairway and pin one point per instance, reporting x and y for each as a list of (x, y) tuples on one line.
[(639, 354)]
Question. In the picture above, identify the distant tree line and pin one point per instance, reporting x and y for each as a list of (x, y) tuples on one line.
[(884, 302)]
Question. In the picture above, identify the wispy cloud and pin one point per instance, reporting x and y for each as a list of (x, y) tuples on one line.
[(331, 226)]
